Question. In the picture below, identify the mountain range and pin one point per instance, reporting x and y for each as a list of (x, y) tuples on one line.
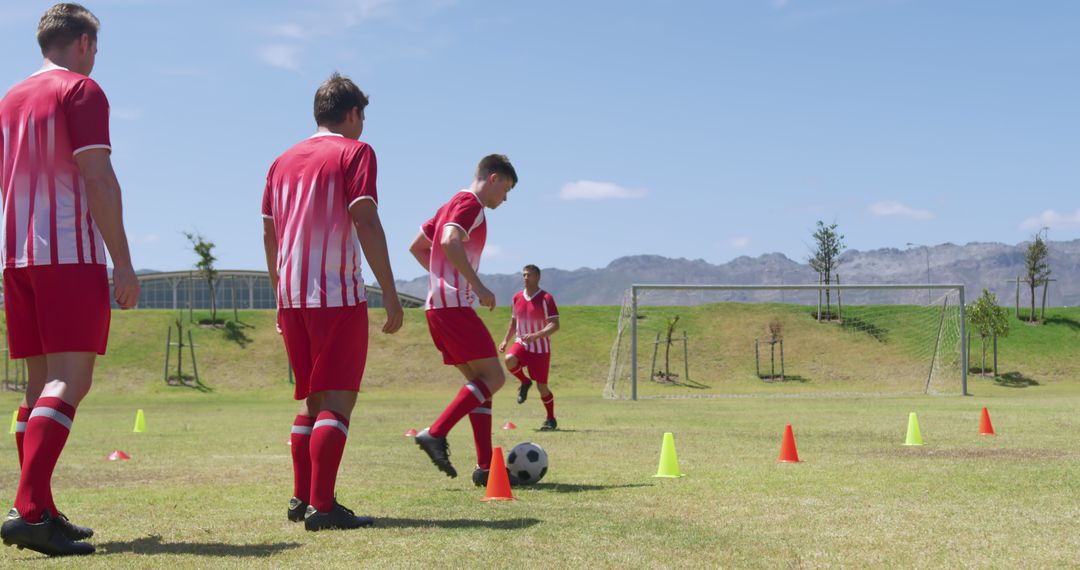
[(993, 266)]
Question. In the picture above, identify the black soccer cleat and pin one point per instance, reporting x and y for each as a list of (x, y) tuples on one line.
[(550, 425), (297, 510), (70, 529), (339, 518), (523, 391), (480, 477), (438, 449), (47, 537)]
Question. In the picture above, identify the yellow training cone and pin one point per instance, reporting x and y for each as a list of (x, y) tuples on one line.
[(914, 436), (140, 422), (669, 463), (14, 421)]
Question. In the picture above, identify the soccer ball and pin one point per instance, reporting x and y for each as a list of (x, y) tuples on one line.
[(528, 462)]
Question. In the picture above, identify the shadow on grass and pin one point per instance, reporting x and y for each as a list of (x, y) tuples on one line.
[(1064, 321), (508, 524), (578, 488), (786, 379), (234, 332), (189, 381), (1015, 380), (153, 545)]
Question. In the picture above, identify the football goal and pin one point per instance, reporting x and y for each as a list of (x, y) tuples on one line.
[(681, 341)]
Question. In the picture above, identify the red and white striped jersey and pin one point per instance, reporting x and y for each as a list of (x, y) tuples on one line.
[(532, 315), (446, 287), (46, 120), (309, 191)]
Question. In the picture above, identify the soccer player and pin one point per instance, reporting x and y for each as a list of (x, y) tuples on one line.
[(61, 209), (449, 246), (533, 320), (319, 209)]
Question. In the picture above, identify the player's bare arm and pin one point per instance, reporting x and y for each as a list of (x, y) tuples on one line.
[(453, 244), (270, 248), (365, 217), (549, 329), (104, 200), (509, 334), (421, 250)]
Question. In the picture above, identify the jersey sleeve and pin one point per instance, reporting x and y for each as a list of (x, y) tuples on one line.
[(550, 310), (466, 214), (87, 112), (360, 174), (268, 200), (429, 230)]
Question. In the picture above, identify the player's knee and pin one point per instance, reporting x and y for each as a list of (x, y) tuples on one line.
[(544, 390), (511, 361)]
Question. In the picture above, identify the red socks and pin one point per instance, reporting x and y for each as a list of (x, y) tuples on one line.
[(519, 372), (20, 430), (327, 445), (471, 395), (301, 456), (549, 405), (46, 433), (480, 418)]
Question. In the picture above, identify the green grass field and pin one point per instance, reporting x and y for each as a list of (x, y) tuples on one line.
[(209, 481)]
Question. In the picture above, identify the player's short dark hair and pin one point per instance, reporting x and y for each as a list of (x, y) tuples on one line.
[(496, 164), (65, 23), (533, 268), (335, 98)]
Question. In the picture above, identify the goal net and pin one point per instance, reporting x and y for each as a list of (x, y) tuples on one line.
[(725, 340)]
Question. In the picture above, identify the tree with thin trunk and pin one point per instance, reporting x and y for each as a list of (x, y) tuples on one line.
[(990, 321), (829, 245), (1036, 268), (204, 249)]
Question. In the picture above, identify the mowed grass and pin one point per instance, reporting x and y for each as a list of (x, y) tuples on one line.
[(208, 483)]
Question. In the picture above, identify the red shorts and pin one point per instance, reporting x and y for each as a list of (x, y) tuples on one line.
[(538, 363), (57, 308), (327, 347), (460, 335)]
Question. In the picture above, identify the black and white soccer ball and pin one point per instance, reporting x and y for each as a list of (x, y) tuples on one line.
[(528, 462)]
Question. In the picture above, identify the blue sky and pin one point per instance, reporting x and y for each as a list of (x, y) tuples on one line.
[(686, 129)]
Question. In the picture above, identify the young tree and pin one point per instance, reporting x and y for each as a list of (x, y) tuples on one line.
[(204, 249), (1036, 268), (829, 244), (990, 321)]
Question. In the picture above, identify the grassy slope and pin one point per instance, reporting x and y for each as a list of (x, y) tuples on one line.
[(721, 355)]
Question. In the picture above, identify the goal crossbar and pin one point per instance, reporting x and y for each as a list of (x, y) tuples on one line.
[(635, 288)]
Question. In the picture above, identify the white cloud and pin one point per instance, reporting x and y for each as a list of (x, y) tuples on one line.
[(739, 242), (592, 190), (148, 239), (290, 31), (892, 208), (492, 251), (1053, 220), (281, 55)]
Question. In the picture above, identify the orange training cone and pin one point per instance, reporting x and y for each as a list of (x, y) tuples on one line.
[(498, 485), (116, 455), (788, 454), (985, 427), (509, 425), (411, 432)]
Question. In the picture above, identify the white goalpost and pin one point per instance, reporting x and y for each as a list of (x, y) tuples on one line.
[(679, 341)]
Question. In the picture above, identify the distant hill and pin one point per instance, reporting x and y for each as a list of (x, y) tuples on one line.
[(993, 266)]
